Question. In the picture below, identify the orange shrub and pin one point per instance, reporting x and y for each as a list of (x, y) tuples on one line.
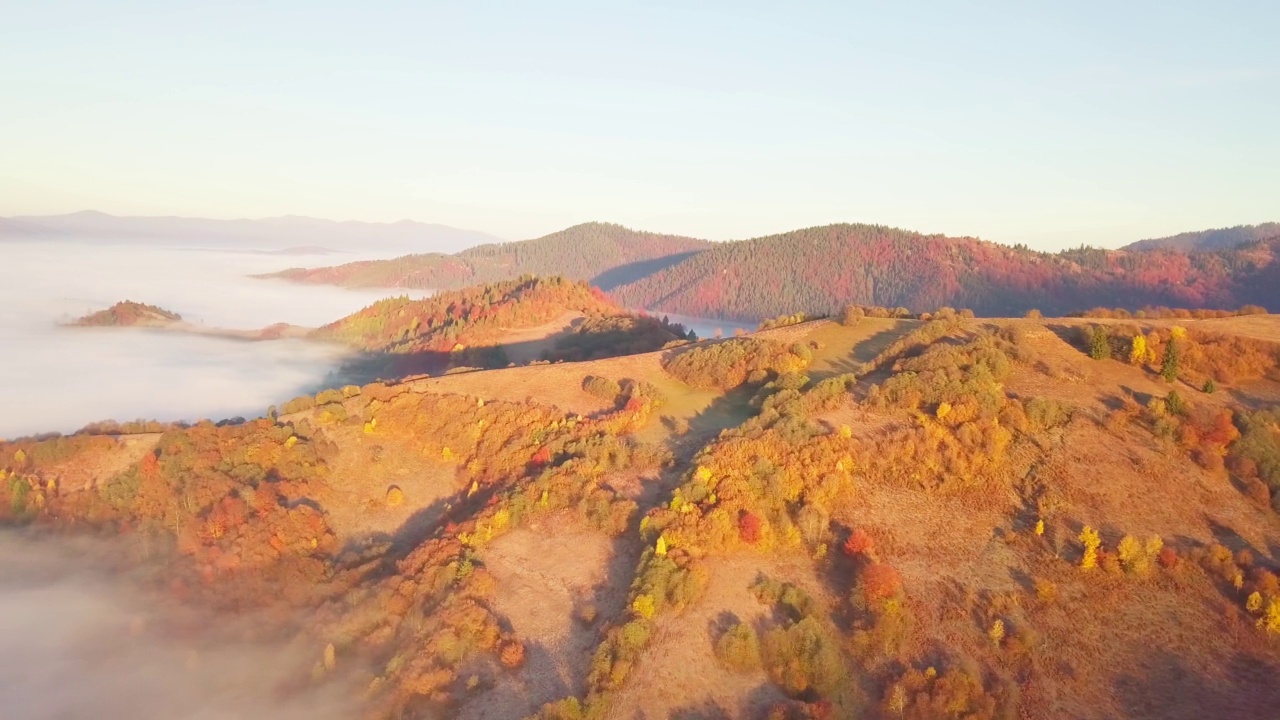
[(749, 527), (879, 581), (859, 543)]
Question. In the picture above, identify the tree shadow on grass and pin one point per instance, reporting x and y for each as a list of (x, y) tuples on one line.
[(860, 354), (1166, 685)]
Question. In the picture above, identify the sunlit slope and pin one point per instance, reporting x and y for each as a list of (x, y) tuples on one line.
[(517, 321), (939, 517)]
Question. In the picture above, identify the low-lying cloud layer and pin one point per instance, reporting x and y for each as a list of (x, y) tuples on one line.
[(78, 640)]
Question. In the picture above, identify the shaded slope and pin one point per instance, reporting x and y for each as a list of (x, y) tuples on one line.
[(1217, 239)]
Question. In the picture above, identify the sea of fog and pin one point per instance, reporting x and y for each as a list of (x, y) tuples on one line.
[(56, 378)]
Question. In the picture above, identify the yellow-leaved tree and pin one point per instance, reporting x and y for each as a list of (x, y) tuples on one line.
[(1092, 542), (1138, 350)]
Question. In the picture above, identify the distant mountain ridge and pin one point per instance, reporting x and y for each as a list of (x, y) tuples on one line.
[(821, 269), (604, 254), (1217, 239), (275, 233)]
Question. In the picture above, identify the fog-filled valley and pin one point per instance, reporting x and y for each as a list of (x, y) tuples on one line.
[(57, 378)]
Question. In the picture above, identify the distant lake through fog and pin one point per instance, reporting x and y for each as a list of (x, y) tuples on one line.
[(58, 378), (707, 327)]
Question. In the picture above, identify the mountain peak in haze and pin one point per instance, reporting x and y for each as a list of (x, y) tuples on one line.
[(274, 233)]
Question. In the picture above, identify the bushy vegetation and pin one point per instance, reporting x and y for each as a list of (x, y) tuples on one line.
[(784, 321), (739, 648), (613, 335), (955, 693), (601, 387), (733, 362), (802, 653), (962, 420), (1255, 457)]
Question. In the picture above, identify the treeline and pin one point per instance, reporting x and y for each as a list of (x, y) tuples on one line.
[(818, 270), (1164, 313)]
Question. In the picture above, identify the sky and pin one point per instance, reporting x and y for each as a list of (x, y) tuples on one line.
[(1053, 124)]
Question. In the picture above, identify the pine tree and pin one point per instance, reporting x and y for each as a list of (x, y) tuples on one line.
[(1169, 368), (1099, 344)]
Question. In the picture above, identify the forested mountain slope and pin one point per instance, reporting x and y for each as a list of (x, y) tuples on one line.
[(820, 269), (605, 254)]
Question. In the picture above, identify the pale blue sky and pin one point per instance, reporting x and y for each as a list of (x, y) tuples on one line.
[(1047, 123)]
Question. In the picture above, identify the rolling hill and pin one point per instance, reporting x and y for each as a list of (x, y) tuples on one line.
[(606, 255), (1209, 240), (892, 518)]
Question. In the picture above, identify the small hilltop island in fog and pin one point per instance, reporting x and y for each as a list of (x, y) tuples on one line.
[(130, 314)]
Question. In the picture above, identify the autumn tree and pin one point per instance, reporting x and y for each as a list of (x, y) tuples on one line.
[(1092, 542), (1138, 350)]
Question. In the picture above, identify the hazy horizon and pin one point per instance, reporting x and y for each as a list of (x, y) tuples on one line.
[(339, 251), (1043, 125)]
